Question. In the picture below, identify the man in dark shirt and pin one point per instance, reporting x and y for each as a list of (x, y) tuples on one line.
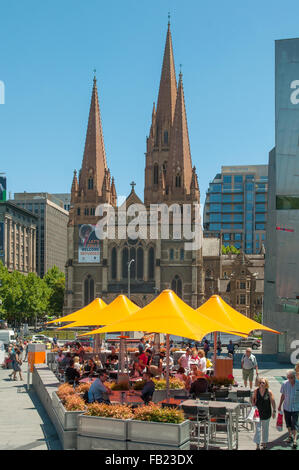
[(148, 389), (141, 346), (72, 375)]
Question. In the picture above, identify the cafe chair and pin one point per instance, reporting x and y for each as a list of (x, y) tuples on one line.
[(218, 428), (221, 395), (243, 398), (198, 422)]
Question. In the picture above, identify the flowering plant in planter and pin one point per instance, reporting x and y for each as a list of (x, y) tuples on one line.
[(74, 403), (174, 384), (122, 386), (157, 414), (109, 411), (83, 387), (218, 381), (65, 390)]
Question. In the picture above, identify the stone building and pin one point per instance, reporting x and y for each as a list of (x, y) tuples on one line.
[(99, 267), (17, 238), (237, 278)]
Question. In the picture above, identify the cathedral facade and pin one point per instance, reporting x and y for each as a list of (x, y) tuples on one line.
[(139, 266)]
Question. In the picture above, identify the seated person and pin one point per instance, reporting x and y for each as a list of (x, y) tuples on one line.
[(200, 385), (89, 368), (98, 391), (148, 389), (72, 375), (156, 364), (64, 363), (112, 359), (98, 363), (80, 351), (194, 358), (77, 363), (181, 375), (134, 366)]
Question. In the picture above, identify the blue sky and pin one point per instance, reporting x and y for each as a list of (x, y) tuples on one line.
[(48, 51)]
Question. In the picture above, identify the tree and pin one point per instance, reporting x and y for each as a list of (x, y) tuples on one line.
[(55, 280), (225, 250), (36, 297)]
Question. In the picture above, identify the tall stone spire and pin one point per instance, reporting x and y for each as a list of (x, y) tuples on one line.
[(75, 187), (167, 95), (94, 162), (179, 175)]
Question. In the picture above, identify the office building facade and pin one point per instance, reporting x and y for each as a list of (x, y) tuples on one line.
[(235, 208), (281, 304), (51, 232)]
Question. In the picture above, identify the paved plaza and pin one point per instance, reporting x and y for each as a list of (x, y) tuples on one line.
[(25, 425)]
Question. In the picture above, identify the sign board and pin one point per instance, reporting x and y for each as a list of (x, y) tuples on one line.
[(2, 188), (89, 245)]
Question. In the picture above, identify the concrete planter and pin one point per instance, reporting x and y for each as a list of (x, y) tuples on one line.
[(159, 434), (104, 428), (97, 443), (67, 419)]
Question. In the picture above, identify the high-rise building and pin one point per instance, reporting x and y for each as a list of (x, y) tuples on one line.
[(99, 268), (65, 198), (236, 207), (281, 304), (51, 231)]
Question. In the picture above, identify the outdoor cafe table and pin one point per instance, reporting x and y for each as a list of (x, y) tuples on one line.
[(231, 409)]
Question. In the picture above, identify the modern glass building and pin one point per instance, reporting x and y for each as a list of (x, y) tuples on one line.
[(281, 301), (236, 207)]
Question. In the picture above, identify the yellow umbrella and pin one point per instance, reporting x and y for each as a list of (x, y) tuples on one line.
[(95, 306), (166, 314), (118, 309), (216, 309)]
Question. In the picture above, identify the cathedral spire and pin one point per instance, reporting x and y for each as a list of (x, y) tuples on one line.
[(94, 162), (179, 162), (168, 85)]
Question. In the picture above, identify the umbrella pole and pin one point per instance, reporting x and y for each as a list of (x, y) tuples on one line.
[(167, 367), (215, 351)]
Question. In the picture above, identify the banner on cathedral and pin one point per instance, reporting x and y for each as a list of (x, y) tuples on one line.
[(89, 244)]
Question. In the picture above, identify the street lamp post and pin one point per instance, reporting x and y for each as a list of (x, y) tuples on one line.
[(129, 276), (122, 340)]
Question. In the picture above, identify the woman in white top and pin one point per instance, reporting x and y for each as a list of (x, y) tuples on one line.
[(202, 361)]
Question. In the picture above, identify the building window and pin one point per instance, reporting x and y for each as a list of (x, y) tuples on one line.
[(88, 290), (178, 181), (90, 183), (78, 210), (166, 137), (140, 263), (171, 254), (156, 173), (242, 299), (176, 286), (151, 263), (287, 202), (86, 211), (242, 285), (182, 254), (125, 259), (113, 263)]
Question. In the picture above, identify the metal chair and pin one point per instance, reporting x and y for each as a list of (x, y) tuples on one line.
[(221, 395), (244, 406), (199, 420), (218, 428)]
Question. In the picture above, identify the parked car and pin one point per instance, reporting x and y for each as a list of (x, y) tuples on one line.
[(250, 342), (42, 338)]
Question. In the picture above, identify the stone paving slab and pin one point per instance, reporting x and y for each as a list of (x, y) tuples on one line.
[(24, 424)]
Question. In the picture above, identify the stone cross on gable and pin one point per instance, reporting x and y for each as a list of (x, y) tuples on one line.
[(133, 184)]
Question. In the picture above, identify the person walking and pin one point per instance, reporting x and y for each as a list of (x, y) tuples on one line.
[(206, 347), (248, 364), (290, 401), (219, 347), (16, 363), (263, 399)]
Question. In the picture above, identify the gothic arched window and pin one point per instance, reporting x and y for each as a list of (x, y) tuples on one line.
[(90, 183), (88, 290), (133, 265), (151, 263), (156, 173), (125, 259), (178, 181), (140, 263), (176, 285), (113, 263)]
